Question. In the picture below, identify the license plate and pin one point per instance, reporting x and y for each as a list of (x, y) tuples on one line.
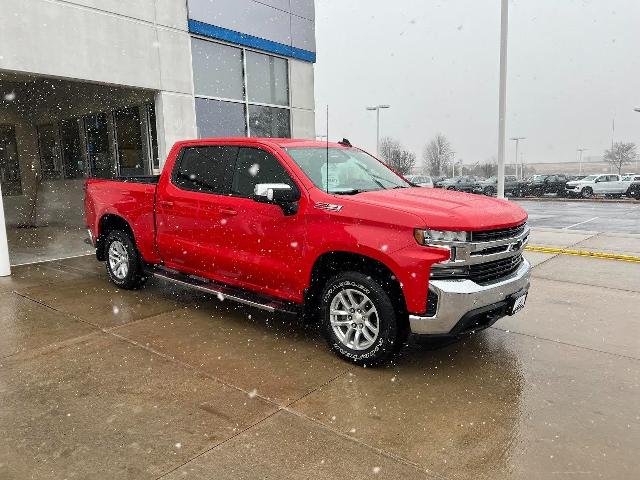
[(517, 304)]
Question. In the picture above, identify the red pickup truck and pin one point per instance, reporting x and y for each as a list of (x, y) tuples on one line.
[(322, 230)]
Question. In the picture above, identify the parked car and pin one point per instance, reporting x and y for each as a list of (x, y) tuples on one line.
[(490, 186), (324, 231), (420, 180), (634, 190), (604, 184), (540, 185), (460, 184), (629, 180)]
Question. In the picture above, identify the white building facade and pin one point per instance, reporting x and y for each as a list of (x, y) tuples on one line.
[(103, 88)]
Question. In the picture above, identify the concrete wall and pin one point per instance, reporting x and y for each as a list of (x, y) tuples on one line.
[(289, 22), (302, 99), (135, 43)]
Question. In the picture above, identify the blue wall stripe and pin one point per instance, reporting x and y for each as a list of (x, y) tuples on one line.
[(231, 36)]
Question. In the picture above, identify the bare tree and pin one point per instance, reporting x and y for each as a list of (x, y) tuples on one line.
[(620, 154), (394, 155), (438, 155)]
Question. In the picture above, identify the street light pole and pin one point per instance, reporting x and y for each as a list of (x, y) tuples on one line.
[(580, 150), (5, 267), (637, 109), (377, 108), (517, 139), (502, 105)]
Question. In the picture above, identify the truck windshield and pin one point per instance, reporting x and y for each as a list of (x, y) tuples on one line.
[(345, 171)]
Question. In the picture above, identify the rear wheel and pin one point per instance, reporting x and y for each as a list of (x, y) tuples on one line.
[(587, 192), (124, 264), (359, 320)]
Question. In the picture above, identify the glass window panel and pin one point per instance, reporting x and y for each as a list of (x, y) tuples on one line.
[(48, 148), (267, 79), (9, 165), (206, 169), (257, 166), (217, 70), (98, 152), (72, 158), (269, 122), (155, 159), (216, 118), (129, 142)]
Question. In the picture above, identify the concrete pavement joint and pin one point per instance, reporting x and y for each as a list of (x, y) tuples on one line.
[(560, 342)]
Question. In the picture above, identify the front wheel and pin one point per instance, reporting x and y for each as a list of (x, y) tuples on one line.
[(587, 192), (124, 264), (359, 320)]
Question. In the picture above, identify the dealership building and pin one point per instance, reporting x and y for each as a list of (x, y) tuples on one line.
[(103, 88)]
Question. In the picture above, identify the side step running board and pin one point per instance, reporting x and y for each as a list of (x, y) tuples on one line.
[(227, 292)]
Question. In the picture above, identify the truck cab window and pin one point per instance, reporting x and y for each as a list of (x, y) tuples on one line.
[(205, 169), (257, 166)]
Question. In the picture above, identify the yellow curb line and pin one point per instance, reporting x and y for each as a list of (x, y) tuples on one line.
[(583, 253)]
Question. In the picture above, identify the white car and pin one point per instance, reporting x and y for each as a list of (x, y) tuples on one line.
[(605, 184), (420, 180)]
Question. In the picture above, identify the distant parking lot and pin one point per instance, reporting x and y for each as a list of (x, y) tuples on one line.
[(591, 216)]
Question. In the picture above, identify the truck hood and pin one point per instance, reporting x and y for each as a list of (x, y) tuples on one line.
[(577, 182), (446, 209)]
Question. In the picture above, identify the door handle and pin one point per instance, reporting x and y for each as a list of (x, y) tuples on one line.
[(228, 211), (166, 203)]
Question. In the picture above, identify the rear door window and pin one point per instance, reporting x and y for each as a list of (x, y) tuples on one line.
[(255, 166), (207, 169)]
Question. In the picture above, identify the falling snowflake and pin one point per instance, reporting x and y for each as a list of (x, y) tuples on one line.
[(223, 221), (294, 244), (353, 430), (254, 169), (178, 445), (384, 248), (116, 310), (376, 470), (253, 393), (10, 97), (220, 296)]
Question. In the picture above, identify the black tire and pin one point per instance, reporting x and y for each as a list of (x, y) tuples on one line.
[(489, 191), (451, 188), (587, 192), (392, 327), (134, 277)]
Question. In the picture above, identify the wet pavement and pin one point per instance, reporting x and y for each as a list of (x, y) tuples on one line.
[(97, 383)]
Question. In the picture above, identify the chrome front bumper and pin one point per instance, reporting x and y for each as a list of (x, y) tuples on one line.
[(459, 298)]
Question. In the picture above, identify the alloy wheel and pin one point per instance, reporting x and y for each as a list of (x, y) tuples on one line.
[(354, 319), (118, 260)]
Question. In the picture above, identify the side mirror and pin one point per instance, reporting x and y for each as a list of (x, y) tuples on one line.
[(279, 194)]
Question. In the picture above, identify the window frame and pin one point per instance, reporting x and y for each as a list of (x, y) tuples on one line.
[(296, 187), (245, 102), (180, 159)]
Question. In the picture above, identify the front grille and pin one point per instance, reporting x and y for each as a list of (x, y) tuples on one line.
[(489, 235), (491, 271)]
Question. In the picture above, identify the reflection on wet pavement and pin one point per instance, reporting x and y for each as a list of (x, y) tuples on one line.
[(97, 382)]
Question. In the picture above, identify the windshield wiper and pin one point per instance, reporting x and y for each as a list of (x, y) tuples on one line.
[(352, 191)]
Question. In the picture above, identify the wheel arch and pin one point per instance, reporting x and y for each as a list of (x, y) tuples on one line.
[(107, 224), (333, 262)]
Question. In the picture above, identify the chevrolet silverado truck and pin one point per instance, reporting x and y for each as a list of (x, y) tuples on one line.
[(321, 230)]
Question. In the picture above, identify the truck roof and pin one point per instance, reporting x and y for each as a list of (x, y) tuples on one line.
[(279, 142)]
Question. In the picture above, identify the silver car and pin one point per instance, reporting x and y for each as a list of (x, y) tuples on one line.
[(420, 180)]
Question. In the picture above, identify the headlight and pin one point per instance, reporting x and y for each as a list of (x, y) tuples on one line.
[(428, 237)]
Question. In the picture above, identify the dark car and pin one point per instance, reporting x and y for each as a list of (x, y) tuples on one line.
[(490, 186), (634, 190), (540, 185), (461, 184)]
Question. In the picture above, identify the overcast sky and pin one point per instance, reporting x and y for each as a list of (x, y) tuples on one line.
[(573, 65)]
